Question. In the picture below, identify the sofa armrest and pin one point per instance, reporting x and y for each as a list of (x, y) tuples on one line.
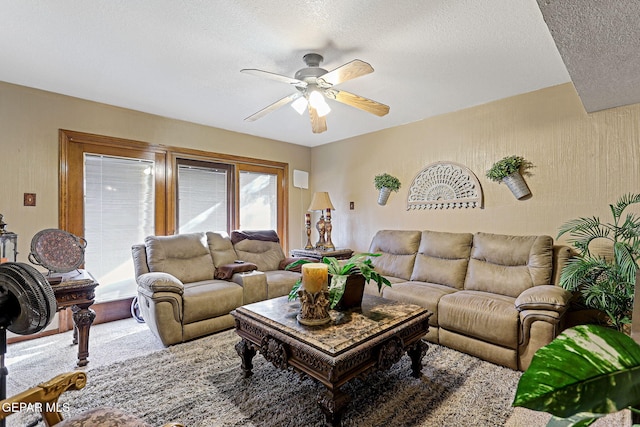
[(254, 286), (226, 271), (160, 282), (544, 297)]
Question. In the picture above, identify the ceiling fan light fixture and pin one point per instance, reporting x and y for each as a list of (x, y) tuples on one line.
[(317, 101), (300, 105)]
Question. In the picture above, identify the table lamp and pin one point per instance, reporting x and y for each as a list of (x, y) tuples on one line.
[(321, 202)]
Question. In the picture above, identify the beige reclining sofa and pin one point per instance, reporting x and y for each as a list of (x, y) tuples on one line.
[(188, 283), (492, 296)]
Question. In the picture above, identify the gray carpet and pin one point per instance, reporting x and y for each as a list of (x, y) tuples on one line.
[(200, 384)]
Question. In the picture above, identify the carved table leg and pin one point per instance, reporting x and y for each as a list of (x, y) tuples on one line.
[(246, 351), (333, 404), (416, 352), (82, 319)]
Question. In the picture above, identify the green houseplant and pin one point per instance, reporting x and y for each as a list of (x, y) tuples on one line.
[(509, 170), (386, 183), (605, 283), (340, 271), (587, 372)]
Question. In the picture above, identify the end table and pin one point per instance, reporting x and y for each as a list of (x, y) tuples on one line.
[(319, 254)]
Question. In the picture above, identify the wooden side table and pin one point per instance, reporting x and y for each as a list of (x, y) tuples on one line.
[(318, 254), (76, 289)]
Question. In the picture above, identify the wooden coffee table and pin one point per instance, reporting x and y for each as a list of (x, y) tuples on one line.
[(354, 343)]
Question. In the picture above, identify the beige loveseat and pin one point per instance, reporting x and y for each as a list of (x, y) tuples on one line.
[(492, 296), (188, 283)]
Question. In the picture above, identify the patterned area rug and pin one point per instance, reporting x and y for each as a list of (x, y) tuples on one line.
[(200, 384)]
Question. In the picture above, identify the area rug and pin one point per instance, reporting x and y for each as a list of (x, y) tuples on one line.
[(200, 384)]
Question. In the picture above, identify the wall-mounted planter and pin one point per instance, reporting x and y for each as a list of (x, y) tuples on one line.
[(385, 184), (509, 170), (383, 196), (517, 185)]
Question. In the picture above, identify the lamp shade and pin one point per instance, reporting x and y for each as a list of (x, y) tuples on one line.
[(320, 201)]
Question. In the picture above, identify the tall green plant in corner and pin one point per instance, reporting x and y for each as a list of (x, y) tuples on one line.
[(605, 284)]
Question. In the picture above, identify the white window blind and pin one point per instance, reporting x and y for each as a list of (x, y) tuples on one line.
[(202, 199), (118, 212)]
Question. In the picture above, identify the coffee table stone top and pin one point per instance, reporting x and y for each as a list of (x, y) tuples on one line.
[(346, 329)]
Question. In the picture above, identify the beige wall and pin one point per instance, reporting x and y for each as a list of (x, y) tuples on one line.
[(29, 123), (582, 162)]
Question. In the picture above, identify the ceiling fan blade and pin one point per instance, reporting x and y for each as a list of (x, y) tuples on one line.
[(358, 101), (343, 73), (274, 76), (280, 103), (318, 124)]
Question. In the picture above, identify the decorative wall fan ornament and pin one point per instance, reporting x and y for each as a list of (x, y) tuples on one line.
[(445, 185), (314, 85)]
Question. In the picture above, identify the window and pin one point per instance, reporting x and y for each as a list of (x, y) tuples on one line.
[(118, 212), (204, 190), (258, 201), (115, 192)]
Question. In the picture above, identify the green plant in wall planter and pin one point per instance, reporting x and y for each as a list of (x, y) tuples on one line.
[(386, 183), (587, 372), (509, 170), (605, 283)]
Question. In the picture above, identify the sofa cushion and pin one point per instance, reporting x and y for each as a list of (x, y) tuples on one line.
[(185, 256), (443, 258), (266, 255), (485, 316), (221, 248), (398, 250), (209, 299), (280, 282), (426, 295), (507, 265)]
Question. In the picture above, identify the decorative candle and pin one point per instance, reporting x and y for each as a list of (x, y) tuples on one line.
[(315, 276), (307, 219)]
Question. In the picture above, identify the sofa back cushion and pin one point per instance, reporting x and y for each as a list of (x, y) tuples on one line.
[(443, 258), (261, 248), (185, 256), (508, 265), (221, 248), (398, 250)]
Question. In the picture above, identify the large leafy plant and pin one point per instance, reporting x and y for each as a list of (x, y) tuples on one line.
[(587, 372), (340, 271), (605, 283)]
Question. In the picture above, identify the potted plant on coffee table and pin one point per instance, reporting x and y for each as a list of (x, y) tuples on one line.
[(354, 272), (385, 183), (509, 170)]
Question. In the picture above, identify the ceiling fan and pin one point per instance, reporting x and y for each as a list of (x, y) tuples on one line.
[(314, 84)]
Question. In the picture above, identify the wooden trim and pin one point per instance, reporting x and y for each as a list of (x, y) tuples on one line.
[(282, 196), (73, 146)]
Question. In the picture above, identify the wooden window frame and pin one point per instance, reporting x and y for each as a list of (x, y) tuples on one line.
[(74, 144)]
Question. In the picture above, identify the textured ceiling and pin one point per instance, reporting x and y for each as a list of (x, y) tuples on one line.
[(599, 41), (182, 59)]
